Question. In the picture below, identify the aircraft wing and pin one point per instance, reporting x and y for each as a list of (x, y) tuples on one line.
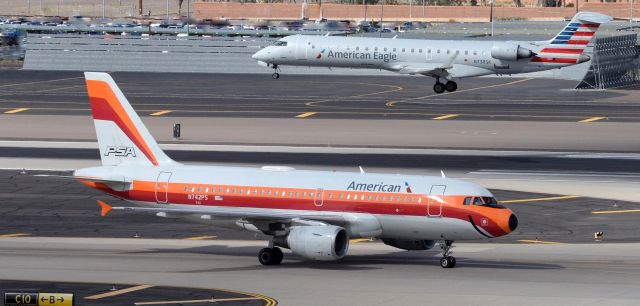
[(438, 69), (231, 213)]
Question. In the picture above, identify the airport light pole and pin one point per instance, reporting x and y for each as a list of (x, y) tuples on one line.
[(410, 7), (167, 9), (491, 18), (103, 9), (382, 18)]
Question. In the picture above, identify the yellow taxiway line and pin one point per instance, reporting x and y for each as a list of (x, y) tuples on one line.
[(539, 199), (305, 115), (198, 301), (162, 112), (443, 117), (592, 119), (604, 212), (14, 235), (117, 292), (202, 238), (17, 110), (539, 242)]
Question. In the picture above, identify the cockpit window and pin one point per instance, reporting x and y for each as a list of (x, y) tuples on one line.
[(466, 201), (280, 43), (486, 201)]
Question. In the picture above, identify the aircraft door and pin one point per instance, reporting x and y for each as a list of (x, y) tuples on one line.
[(162, 187), (301, 48), (434, 203), (429, 54), (318, 198)]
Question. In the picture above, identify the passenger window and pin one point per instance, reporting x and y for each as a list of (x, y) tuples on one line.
[(357, 48), (448, 51), (438, 51), (290, 193), (466, 201), (262, 192), (412, 50), (419, 200), (368, 198), (403, 50), (304, 194), (375, 198), (385, 49), (366, 48), (475, 52), (419, 50), (206, 190), (394, 49), (348, 196), (193, 189), (466, 52), (331, 196), (383, 198), (186, 188), (297, 194), (375, 49), (429, 51)]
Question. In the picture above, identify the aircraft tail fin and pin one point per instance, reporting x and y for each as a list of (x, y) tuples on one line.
[(568, 46), (122, 137)]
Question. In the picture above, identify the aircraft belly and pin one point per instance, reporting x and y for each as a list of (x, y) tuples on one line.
[(427, 228)]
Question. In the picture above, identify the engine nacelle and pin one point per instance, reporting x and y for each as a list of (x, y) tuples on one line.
[(510, 52), (317, 242), (410, 245)]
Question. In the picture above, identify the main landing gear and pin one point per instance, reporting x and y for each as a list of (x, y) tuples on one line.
[(271, 255), (450, 86), (275, 74), (447, 261)]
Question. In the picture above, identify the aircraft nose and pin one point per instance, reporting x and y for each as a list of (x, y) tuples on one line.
[(256, 56), (513, 222)]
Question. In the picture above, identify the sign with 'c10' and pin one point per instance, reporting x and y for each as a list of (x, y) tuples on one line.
[(38, 299)]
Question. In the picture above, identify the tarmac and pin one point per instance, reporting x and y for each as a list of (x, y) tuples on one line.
[(522, 140)]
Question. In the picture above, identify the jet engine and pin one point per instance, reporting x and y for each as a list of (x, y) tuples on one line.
[(317, 242), (509, 51), (410, 245)]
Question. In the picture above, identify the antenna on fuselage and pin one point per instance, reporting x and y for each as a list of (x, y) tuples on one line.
[(442, 174), (361, 170)]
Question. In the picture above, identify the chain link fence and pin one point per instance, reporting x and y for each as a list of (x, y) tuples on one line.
[(615, 62)]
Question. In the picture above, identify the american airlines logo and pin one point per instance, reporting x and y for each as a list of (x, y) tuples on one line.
[(120, 151), (374, 187)]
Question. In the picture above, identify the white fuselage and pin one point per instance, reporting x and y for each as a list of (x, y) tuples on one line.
[(464, 58)]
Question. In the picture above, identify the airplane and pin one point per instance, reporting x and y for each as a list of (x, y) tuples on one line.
[(312, 213), (440, 59)]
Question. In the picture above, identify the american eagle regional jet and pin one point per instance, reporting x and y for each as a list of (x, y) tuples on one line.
[(442, 59), (312, 213)]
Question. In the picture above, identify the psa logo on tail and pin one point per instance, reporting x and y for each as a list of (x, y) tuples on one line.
[(120, 151)]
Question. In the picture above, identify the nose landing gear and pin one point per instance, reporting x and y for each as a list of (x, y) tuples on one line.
[(447, 261), (275, 74)]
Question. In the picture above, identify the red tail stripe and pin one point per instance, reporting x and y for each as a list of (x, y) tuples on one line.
[(589, 25), (561, 50), (582, 33), (554, 60), (578, 42)]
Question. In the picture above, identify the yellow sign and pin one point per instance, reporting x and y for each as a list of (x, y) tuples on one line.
[(55, 299)]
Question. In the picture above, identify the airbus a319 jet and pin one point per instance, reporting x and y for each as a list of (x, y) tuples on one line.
[(312, 213), (445, 60)]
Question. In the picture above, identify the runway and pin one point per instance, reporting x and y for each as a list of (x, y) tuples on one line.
[(322, 97), (374, 274)]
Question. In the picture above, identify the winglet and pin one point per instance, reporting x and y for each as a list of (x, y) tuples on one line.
[(105, 208)]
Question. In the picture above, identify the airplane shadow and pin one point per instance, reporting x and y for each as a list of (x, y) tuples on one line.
[(350, 262)]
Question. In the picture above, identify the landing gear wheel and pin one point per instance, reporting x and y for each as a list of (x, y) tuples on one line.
[(451, 86), (439, 87), (270, 256), (279, 255), (448, 262), (275, 75)]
